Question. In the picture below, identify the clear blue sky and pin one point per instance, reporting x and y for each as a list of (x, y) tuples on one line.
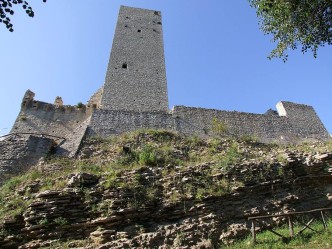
[(215, 57)]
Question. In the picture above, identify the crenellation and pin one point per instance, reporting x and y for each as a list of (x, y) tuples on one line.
[(56, 107), (69, 122), (28, 96), (95, 101)]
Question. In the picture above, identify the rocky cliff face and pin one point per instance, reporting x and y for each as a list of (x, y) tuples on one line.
[(159, 190)]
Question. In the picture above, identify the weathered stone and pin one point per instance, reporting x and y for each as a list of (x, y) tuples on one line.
[(19, 153), (234, 231), (82, 180)]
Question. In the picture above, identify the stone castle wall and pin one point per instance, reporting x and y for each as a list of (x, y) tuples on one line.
[(68, 122), (136, 74), (303, 120), (296, 126), (301, 123), (107, 122), (292, 123), (19, 153), (266, 127)]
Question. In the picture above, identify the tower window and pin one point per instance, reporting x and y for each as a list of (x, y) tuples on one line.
[(139, 31), (124, 65)]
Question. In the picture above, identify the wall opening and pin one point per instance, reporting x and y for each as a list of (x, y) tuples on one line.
[(139, 31), (124, 65)]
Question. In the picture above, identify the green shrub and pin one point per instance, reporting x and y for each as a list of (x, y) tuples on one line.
[(161, 135), (88, 168), (148, 156), (218, 127), (43, 221), (110, 181), (232, 157), (80, 105), (127, 158), (61, 221), (3, 233), (248, 138), (282, 159), (23, 118), (12, 184)]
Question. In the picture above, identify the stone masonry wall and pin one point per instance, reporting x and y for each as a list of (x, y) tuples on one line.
[(68, 122), (108, 122), (303, 125), (300, 124), (304, 120), (136, 74), (19, 153), (266, 127)]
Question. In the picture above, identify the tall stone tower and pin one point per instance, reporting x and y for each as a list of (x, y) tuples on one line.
[(136, 74)]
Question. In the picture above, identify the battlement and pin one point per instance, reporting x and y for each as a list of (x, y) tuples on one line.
[(29, 103), (67, 121)]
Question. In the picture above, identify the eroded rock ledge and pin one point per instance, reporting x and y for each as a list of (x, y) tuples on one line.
[(165, 207)]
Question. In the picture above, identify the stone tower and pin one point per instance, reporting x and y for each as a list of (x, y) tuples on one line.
[(136, 75)]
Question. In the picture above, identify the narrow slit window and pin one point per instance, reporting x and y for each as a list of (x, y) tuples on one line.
[(124, 65)]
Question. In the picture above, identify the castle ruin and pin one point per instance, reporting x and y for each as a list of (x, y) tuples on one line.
[(134, 96)]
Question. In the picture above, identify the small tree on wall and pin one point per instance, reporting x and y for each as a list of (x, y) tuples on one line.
[(80, 105), (218, 127)]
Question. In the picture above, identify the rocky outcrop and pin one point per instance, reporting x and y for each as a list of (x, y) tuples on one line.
[(151, 207)]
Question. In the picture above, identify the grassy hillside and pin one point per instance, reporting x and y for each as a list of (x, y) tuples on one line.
[(308, 239), (152, 188)]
